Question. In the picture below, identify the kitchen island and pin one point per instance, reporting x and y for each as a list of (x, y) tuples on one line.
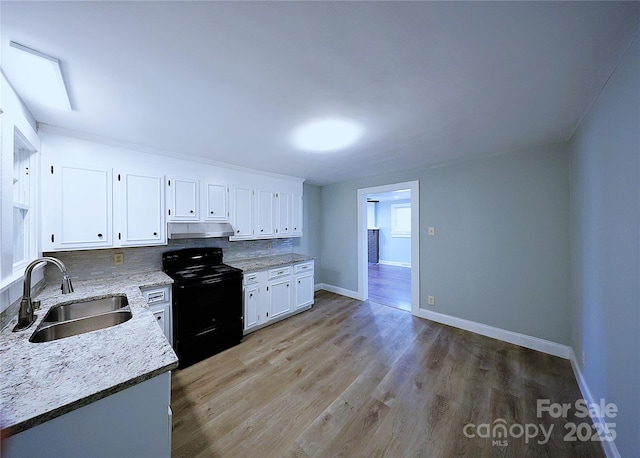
[(113, 377)]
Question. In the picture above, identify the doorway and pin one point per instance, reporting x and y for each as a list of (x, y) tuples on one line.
[(388, 245)]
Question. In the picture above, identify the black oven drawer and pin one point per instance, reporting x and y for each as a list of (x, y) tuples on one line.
[(196, 348), (206, 307)]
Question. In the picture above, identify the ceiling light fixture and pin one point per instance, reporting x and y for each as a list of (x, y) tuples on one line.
[(38, 78), (328, 134)]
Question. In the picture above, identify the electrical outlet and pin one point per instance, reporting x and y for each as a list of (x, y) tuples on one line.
[(118, 259), (431, 230), (431, 300)]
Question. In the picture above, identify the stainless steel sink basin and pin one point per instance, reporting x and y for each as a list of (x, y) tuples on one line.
[(75, 310), (60, 330)]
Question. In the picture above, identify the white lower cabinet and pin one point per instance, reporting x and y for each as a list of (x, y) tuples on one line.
[(279, 289), (142, 427), (158, 298), (275, 294)]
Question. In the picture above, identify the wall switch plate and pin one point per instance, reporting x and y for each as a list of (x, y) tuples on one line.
[(431, 300), (431, 230), (118, 259)]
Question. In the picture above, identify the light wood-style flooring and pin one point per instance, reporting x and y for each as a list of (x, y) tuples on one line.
[(351, 378), (390, 285)]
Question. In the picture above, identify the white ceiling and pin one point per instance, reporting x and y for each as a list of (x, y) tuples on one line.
[(431, 82)]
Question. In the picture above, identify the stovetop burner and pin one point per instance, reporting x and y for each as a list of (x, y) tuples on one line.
[(192, 266)]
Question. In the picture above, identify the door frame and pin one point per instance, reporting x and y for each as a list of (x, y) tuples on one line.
[(363, 277)]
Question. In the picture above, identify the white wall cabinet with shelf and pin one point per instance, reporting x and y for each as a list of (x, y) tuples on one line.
[(275, 294)]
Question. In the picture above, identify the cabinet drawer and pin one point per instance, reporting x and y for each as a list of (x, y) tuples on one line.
[(280, 272), (306, 267), (251, 279), (156, 295)]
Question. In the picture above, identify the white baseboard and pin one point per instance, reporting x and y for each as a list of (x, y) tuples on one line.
[(610, 448), (338, 290), (395, 263), (534, 343)]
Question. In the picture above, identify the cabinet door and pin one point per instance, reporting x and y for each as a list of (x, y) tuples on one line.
[(243, 212), (83, 207), (296, 215), (142, 209), (266, 212), (279, 297), (251, 306), (216, 201), (184, 199), (161, 318), (303, 290), (283, 202)]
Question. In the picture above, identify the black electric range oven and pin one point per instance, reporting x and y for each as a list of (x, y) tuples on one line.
[(207, 303)]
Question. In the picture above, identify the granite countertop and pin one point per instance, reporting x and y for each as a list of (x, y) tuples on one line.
[(266, 262), (41, 381)]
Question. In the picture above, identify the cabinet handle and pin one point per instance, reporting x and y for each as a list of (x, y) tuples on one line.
[(159, 318), (213, 213), (99, 235), (190, 211), (238, 231), (286, 228), (261, 230), (276, 231), (155, 233), (251, 295), (298, 281)]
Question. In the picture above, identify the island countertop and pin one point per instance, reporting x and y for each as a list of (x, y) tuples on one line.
[(267, 262), (41, 381)]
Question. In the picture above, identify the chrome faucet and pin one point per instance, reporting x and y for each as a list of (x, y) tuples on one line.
[(25, 314)]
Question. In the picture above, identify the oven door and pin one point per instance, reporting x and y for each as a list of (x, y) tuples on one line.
[(206, 306)]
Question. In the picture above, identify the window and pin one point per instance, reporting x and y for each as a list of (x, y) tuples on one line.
[(401, 220)]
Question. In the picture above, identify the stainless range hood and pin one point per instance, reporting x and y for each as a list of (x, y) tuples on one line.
[(199, 230)]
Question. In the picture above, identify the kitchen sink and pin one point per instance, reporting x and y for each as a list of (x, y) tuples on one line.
[(75, 310), (75, 318), (70, 328)]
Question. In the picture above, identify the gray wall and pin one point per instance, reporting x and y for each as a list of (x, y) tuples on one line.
[(605, 233), (310, 242), (394, 249), (501, 251)]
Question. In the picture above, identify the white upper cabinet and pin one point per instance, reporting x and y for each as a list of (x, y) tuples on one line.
[(217, 202), (266, 214), (141, 209), (85, 206), (283, 219), (296, 216), (82, 208), (242, 213), (84, 200), (184, 199)]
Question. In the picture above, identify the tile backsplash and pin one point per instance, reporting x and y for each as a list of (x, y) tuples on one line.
[(92, 264)]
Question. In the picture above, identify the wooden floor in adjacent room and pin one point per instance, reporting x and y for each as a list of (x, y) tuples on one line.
[(351, 378), (390, 285)]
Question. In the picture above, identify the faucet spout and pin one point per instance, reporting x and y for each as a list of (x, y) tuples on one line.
[(26, 316)]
